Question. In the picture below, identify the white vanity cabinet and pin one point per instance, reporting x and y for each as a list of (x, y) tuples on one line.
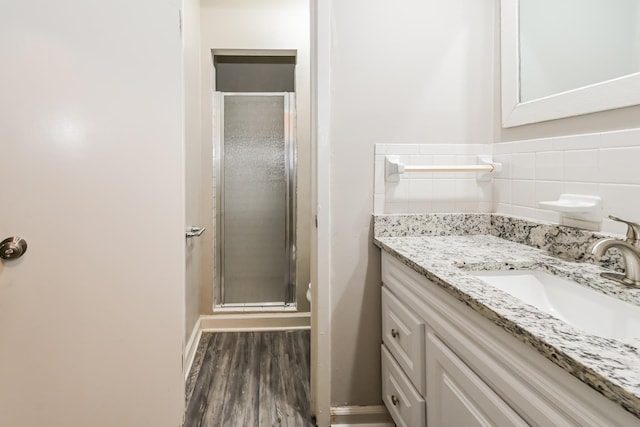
[(445, 365)]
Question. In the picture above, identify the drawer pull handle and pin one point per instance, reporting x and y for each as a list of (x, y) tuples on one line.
[(395, 333), (394, 400)]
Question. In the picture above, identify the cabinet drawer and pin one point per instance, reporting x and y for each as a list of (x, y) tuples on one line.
[(403, 334), (404, 403)]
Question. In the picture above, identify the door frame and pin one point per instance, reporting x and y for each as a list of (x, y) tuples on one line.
[(321, 305)]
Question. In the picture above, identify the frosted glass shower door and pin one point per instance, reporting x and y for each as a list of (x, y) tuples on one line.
[(256, 185)]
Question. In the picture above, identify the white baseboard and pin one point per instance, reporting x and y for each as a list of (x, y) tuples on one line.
[(190, 349), (239, 322), (361, 416)]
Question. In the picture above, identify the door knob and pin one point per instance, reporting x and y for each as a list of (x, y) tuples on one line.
[(12, 248)]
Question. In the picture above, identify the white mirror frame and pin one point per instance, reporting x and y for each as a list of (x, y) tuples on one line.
[(616, 93)]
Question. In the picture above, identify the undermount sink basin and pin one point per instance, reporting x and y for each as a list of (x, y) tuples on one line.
[(588, 310)]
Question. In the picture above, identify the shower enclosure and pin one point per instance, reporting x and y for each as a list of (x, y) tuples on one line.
[(255, 199)]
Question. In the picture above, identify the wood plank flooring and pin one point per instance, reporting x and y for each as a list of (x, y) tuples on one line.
[(250, 379)]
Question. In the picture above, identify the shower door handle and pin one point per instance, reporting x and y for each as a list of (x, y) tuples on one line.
[(194, 231)]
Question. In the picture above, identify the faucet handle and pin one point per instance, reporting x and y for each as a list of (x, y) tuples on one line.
[(633, 230)]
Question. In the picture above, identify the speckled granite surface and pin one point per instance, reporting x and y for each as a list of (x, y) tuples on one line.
[(610, 366), (431, 225), (564, 242)]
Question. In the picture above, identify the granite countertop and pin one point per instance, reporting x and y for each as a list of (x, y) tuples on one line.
[(610, 366)]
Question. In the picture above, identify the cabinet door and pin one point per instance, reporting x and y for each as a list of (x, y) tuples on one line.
[(457, 397)]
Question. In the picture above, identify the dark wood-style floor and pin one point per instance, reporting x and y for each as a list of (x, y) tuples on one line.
[(250, 379)]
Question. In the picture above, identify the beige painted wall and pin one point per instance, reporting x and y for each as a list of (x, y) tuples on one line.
[(193, 162), (415, 72), (267, 25), (622, 118), (420, 72), (584, 154)]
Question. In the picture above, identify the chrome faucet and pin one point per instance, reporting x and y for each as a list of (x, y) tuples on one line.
[(630, 250)]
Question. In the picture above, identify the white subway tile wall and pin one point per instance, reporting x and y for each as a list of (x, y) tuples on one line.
[(427, 192), (600, 164)]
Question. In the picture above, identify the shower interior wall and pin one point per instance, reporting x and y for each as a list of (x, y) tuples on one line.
[(251, 27)]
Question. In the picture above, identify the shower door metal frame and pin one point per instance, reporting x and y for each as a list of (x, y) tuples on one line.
[(289, 285)]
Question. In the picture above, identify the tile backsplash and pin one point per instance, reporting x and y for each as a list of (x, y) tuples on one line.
[(431, 192), (600, 164), (603, 164)]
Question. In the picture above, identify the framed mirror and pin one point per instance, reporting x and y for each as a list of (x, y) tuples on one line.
[(563, 58)]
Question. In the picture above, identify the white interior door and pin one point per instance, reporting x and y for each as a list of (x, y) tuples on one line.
[(91, 160)]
